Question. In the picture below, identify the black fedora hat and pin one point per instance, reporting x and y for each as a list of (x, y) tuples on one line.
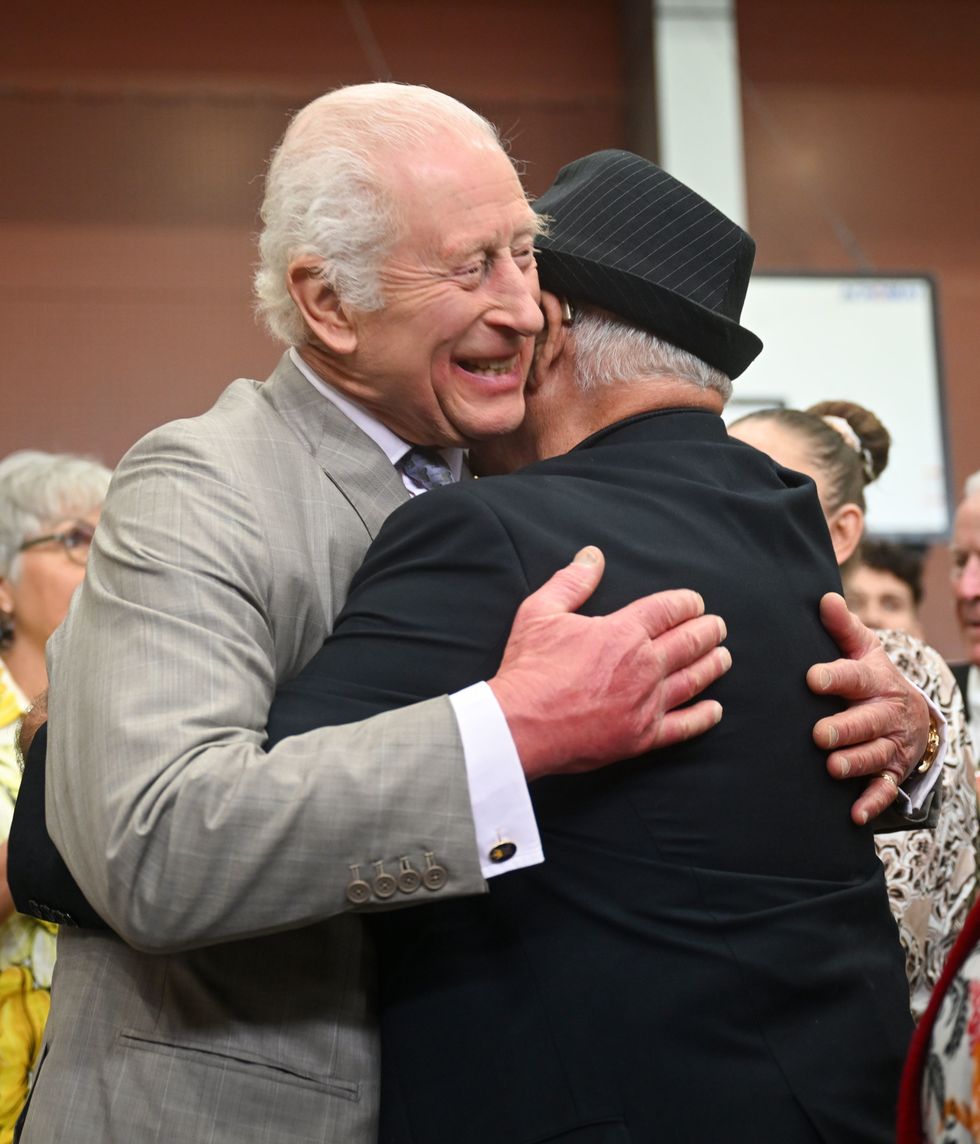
[(627, 236)]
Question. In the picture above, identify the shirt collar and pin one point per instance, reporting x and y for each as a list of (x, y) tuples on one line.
[(393, 446)]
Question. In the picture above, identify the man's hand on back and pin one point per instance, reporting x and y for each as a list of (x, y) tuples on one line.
[(579, 692), (885, 730)]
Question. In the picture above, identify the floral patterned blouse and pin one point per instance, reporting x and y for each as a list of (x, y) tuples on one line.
[(931, 874), (27, 946), (951, 1080)]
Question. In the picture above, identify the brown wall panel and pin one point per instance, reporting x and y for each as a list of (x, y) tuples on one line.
[(135, 138), (861, 119), (112, 330)]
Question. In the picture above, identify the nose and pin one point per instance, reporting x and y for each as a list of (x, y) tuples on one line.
[(517, 297), (966, 580), (871, 615)]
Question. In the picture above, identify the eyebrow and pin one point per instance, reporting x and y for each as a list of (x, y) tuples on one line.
[(523, 233)]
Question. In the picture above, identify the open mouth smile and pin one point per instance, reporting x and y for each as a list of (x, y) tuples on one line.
[(490, 367)]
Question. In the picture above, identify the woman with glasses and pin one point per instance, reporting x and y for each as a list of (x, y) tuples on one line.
[(49, 506)]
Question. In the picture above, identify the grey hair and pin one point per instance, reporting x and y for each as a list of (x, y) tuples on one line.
[(327, 193), (610, 350), (971, 486), (39, 490)]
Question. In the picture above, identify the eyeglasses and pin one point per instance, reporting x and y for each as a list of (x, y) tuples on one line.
[(75, 540)]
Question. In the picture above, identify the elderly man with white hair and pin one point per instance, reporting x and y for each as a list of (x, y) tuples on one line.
[(236, 1004), (966, 594)]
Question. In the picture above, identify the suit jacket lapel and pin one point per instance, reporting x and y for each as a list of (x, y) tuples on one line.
[(347, 456)]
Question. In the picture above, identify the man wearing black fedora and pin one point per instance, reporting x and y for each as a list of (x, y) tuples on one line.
[(707, 952)]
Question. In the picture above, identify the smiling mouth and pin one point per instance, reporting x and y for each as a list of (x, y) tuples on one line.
[(489, 368)]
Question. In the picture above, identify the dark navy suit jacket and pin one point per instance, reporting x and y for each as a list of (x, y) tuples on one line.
[(707, 952)]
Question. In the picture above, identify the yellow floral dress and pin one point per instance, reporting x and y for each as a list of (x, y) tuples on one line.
[(27, 946)]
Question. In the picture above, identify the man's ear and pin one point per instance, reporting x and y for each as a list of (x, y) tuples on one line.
[(323, 312), (6, 597), (846, 525), (551, 342)]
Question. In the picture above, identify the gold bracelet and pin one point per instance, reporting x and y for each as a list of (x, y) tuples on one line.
[(932, 749)]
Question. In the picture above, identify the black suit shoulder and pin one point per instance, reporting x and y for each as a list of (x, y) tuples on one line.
[(428, 613)]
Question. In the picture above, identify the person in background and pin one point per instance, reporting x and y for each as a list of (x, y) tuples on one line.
[(49, 506), (940, 1096), (966, 593), (931, 873), (884, 586)]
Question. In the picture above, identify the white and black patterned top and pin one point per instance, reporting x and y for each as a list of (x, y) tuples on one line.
[(931, 874)]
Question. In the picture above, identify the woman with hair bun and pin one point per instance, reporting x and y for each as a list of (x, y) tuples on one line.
[(931, 874)]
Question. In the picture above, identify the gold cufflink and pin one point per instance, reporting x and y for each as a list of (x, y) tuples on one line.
[(503, 851)]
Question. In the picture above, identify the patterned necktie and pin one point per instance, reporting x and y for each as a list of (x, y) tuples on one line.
[(425, 467)]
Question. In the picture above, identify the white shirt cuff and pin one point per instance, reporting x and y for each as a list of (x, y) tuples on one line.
[(918, 786), (506, 830)]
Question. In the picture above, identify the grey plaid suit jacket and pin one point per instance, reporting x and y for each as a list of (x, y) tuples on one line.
[(240, 1008)]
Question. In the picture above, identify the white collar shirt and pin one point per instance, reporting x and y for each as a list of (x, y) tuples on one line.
[(499, 796), (393, 447)]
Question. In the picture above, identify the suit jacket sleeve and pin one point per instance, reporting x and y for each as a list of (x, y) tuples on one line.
[(179, 826)]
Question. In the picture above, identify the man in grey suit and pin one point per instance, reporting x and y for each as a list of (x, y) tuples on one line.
[(397, 261)]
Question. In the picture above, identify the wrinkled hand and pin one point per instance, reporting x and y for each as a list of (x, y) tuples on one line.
[(37, 714), (885, 730), (579, 692)]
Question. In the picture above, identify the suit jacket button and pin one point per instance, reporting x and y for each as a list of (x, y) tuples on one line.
[(434, 877), (384, 885), (358, 892), (409, 879), (502, 851)]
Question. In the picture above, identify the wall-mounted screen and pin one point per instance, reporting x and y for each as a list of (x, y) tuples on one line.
[(869, 339)]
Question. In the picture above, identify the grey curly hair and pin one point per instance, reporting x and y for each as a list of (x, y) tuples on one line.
[(37, 490)]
